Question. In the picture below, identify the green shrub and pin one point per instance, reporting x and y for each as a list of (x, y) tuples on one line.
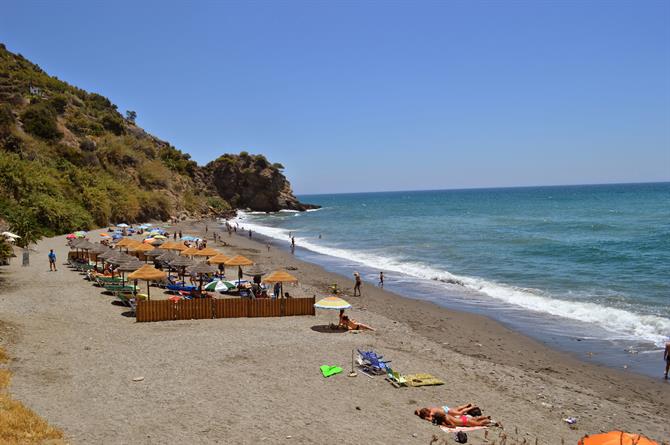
[(113, 123), (7, 119), (58, 103), (60, 215), (218, 204), (40, 120), (98, 204)]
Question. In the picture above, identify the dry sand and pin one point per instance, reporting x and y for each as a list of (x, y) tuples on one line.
[(256, 380)]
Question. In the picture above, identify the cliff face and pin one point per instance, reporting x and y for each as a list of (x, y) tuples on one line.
[(69, 160), (248, 181)]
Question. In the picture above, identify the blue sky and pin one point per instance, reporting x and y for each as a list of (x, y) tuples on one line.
[(365, 96)]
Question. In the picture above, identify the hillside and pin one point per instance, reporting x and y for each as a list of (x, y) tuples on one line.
[(70, 160)]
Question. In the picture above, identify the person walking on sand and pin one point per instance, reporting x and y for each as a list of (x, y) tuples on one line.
[(293, 244), (666, 356), (357, 284), (381, 279), (52, 267), (268, 246), (249, 233)]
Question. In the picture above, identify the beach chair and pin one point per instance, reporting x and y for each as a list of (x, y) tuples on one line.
[(395, 378), (371, 363)]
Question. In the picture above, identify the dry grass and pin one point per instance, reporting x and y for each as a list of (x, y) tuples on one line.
[(18, 424)]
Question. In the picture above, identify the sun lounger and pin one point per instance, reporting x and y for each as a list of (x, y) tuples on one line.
[(371, 363), (180, 288), (395, 378), (116, 289)]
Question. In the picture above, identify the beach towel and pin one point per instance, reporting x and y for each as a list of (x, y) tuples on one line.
[(446, 429), (422, 380), (327, 370)]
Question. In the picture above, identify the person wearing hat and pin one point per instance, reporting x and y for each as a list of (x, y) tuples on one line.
[(357, 284)]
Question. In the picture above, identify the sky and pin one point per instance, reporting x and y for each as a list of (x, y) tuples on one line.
[(355, 96)]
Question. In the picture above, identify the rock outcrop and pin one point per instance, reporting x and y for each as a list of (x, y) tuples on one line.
[(250, 181)]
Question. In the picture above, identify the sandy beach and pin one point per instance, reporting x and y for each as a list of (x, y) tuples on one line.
[(256, 380)]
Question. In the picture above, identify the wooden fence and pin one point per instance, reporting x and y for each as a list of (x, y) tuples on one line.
[(206, 308)]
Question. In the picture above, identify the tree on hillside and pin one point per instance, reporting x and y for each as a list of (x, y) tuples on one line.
[(25, 225), (131, 116)]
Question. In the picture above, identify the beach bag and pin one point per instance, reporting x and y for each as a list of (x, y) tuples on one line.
[(461, 437)]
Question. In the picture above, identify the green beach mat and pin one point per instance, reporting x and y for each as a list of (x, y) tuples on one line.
[(327, 371)]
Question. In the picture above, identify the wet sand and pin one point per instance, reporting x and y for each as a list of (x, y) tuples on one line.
[(257, 379)]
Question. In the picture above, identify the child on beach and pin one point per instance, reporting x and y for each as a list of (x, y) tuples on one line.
[(381, 279), (52, 267)]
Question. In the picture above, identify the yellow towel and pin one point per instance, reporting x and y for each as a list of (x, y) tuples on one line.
[(422, 380)]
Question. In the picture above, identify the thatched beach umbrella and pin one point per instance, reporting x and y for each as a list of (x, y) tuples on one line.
[(181, 262), (98, 250), (155, 252), (239, 261), (147, 273), (219, 260), (123, 242), (188, 252), (201, 269), (175, 246), (206, 252), (128, 266), (142, 249), (281, 277)]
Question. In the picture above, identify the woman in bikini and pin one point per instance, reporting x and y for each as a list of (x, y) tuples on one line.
[(454, 421), (428, 413)]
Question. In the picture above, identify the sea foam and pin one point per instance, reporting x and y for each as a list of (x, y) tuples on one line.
[(621, 323)]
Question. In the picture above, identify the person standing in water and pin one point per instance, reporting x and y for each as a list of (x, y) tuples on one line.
[(249, 233), (357, 284), (666, 356), (293, 244), (381, 279)]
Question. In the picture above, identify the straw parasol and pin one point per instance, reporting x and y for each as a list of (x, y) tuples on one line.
[(98, 250), (189, 251), (281, 277), (201, 269), (174, 246), (207, 251), (155, 252), (123, 242), (218, 259), (128, 266), (183, 262), (239, 261), (142, 248), (147, 273)]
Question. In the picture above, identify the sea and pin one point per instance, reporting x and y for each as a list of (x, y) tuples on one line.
[(584, 269)]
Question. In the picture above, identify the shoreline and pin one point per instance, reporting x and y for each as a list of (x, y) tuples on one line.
[(76, 355), (586, 341), (379, 303)]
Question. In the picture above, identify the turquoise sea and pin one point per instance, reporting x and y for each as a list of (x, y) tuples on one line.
[(582, 268)]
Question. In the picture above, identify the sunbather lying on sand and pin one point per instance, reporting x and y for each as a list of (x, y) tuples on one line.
[(428, 412), (453, 421), (352, 325)]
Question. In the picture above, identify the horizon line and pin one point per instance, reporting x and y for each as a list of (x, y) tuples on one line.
[(488, 188)]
